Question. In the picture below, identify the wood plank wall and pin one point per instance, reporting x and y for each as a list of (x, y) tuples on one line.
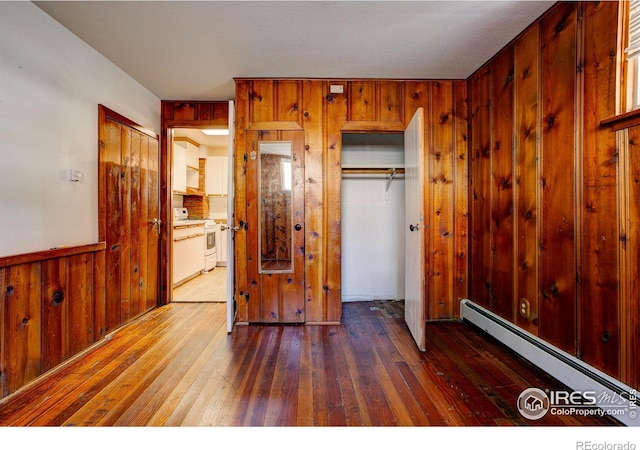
[(365, 106), (52, 306), (546, 190)]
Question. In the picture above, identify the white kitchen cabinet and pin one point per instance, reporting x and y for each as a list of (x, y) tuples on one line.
[(179, 169), (186, 164), (192, 154), (193, 165), (215, 177), (188, 251)]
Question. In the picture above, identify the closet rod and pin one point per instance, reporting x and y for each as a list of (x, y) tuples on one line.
[(366, 170)]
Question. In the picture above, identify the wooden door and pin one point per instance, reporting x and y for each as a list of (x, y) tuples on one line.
[(414, 312), (275, 226), (129, 216)]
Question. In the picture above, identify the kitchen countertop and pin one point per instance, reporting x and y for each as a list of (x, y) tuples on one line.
[(178, 223)]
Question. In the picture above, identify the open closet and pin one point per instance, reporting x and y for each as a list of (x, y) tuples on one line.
[(373, 217)]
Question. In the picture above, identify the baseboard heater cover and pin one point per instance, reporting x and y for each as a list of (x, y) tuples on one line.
[(569, 370)]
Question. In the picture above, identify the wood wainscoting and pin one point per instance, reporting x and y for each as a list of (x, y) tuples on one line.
[(52, 306), (176, 366)]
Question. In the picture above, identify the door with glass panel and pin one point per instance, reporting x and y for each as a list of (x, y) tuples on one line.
[(275, 226)]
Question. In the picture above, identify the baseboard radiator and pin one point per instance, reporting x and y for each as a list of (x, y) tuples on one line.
[(569, 370)]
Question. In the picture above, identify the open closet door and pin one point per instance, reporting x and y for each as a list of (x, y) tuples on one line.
[(231, 310), (414, 312)]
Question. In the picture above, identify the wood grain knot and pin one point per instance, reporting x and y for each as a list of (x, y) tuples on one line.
[(551, 120), (58, 297)]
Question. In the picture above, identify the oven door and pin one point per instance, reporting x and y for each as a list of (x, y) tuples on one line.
[(210, 241)]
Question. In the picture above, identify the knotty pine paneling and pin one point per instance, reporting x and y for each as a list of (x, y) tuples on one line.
[(599, 298), (287, 95), (527, 132), (390, 99), (441, 147), (190, 114), (461, 197), (240, 181), (561, 179), (274, 101), (365, 106), (316, 234), (630, 262), (67, 314), (262, 101), (51, 308), (479, 185), (22, 331), (362, 101), (557, 258), (502, 211), (375, 101), (335, 109)]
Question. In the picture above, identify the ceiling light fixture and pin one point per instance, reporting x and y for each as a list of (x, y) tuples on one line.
[(216, 132)]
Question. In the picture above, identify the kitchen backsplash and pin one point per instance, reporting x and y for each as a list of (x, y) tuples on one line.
[(197, 205)]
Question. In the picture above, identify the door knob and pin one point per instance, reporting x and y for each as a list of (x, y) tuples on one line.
[(156, 223), (413, 227), (298, 227)]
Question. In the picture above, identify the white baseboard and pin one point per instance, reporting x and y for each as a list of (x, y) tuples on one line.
[(569, 370)]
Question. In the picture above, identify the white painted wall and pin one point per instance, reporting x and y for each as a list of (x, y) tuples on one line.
[(51, 83), (372, 222)]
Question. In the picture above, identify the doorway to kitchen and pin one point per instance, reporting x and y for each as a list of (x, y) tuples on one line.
[(195, 116), (199, 205)]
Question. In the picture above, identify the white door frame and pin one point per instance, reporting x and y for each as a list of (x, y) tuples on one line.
[(231, 267)]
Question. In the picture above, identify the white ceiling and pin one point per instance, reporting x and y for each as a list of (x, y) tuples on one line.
[(184, 50), (195, 134)]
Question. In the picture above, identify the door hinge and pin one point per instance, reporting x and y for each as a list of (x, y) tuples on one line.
[(245, 157)]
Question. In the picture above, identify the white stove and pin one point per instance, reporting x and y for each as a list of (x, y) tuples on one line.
[(210, 250)]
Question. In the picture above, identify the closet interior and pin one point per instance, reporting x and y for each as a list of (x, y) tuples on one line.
[(373, 210)]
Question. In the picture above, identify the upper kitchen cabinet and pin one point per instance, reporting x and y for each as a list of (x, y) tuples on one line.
[(193, 149), (216, 172), (185, 164), (179, 169)]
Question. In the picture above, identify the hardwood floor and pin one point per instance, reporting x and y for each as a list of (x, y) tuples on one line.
[(177, 366), (208, 287)]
